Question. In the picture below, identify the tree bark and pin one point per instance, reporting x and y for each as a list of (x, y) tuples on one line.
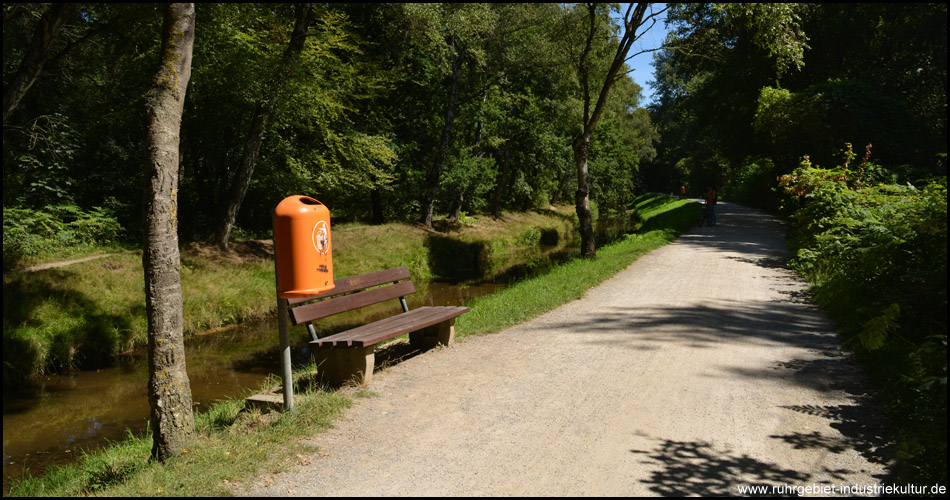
[(36, 55), (242, 178), (457, 211), (169, 390), (503, 176), (581, 148), (376, 202), (434, 172), (562, 183), (255, 136)]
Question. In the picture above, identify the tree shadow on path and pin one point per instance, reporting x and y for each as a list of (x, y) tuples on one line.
[(689, 468)]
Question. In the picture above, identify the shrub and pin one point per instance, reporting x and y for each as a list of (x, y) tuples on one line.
[(876, 253), (30, 233)]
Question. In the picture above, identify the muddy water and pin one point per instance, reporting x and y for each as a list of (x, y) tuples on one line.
[(63, 415)]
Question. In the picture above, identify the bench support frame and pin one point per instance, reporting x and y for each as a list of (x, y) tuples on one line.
[(346, 365), (441, 334)]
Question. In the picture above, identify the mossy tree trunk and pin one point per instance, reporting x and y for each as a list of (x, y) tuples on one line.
[(169, 391)]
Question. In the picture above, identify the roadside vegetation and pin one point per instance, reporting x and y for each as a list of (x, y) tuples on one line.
[(236, 443), (875, 251)]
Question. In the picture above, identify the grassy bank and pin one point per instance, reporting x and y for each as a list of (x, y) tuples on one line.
[(81, 315), (237, 444), (663, 220)]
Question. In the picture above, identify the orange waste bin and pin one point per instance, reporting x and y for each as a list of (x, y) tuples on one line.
[(302, 247)]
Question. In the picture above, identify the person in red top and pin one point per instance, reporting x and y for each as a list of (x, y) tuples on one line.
[(711, 201)]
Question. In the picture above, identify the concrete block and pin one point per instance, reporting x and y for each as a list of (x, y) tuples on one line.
[(346, 365)]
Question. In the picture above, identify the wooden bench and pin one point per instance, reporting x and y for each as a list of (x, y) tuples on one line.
[(350, 355)]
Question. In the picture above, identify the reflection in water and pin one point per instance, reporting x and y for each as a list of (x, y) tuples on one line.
[(62, 415)]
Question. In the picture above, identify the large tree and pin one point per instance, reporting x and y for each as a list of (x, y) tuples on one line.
[(636, 21), (169, 391), (452, 34)]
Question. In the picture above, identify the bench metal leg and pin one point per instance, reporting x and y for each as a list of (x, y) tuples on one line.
[(441, 334), (346, 365)]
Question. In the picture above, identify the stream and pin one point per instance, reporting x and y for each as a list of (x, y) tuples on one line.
[(61, 416)]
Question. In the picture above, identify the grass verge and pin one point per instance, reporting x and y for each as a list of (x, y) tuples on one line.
[(664, 219), (235, 444)]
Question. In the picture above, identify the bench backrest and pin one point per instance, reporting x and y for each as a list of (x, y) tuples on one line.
[(342, 297)]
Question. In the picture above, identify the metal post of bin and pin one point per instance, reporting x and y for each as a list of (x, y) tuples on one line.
[(284, 327)]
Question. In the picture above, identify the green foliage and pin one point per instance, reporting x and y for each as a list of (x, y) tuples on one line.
[(624, 138), (876, 254), (746, 82), (753, 184), (30, 233), (824, 116)]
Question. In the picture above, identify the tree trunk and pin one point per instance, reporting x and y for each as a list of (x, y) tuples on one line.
[(479, 154), (581, 148), (255, 136), (242, 178), (169, 391), (581, 145), (376, 201), (503, 177), (457, 211), (562, 183), (434, 172), (35, 57)]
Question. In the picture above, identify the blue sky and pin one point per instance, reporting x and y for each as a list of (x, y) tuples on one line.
[(643, 63)]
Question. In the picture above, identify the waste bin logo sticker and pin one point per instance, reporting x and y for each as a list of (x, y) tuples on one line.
[(321, 237)]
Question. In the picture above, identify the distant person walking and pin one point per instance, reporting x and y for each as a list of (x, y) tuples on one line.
[(683, 191), (711, 201)]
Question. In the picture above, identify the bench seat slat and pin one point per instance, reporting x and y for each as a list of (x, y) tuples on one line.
[(388, 328), (416, 325), (411, 318), (376, 326), (317, 310), (356, 283)]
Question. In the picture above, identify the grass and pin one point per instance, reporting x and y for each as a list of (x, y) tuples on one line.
[(81, 315), (235, 444), (231, 443), (68, 252)]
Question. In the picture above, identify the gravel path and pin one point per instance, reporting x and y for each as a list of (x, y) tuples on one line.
[(698, 370)]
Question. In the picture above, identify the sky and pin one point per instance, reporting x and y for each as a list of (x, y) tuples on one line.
[(643, 63)]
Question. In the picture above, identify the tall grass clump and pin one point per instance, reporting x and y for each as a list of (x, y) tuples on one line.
[(876, 254)]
